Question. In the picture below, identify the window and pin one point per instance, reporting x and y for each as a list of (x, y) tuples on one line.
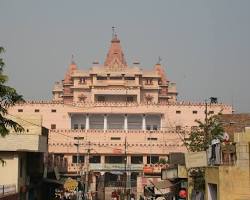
[(82, 81), (148, 127), (74, 159), (53, 126), (100, 98), (178, 128), (152, 159), (195, 111), (101, 78), (155, 127), (37, 110), (115, 138), (82, 126), (136, 159), (53, 110), (129, 78), (178, 112), (151, 138), (149, 81), (20, 110), (75, 126), (130, 99), (211, 112), (95, 159)]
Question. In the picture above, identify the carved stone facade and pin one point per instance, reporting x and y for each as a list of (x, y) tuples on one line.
[(134, 83)]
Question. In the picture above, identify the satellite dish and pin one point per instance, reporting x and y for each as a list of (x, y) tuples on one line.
[(226, 136)]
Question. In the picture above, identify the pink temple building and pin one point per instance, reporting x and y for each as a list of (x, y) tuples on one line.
[(119, 117)]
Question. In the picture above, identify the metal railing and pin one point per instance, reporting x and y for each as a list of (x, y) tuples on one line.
[(7, 189), (121, 184)]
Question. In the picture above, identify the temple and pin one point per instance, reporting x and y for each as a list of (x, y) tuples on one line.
[(114, 123)]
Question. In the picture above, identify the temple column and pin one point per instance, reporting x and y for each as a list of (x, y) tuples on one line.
[(105, 121), (161, 122), (144, 160), (70, 123), (143, 122), (125, 122), (102, 160), (87, 122)]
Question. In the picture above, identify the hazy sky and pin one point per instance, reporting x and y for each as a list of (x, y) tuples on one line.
[(205, 45)]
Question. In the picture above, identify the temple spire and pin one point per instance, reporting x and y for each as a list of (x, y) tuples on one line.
[(72, 67), (115, 54)]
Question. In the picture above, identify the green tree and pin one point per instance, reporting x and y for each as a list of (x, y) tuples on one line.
[(8, 97), (162, 161), (202, 135), (199, 140)]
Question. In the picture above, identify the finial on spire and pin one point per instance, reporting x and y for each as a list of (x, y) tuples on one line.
[(159, 60), (113, 32), (72, 59)]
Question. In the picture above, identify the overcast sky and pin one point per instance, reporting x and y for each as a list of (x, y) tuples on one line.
[(204, 45)]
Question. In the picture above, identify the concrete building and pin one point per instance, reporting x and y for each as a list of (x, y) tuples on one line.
[(118, 117), (231, 180), (22, 153)]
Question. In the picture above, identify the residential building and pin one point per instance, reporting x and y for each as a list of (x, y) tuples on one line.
[(23, 155), (231, 180)]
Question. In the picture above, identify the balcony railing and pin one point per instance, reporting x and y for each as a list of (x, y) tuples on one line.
[(107, 167), (121, 184), (7, 189), (61, 164)]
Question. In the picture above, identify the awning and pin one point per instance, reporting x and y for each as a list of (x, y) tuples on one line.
[(162, 184), (116, 172)]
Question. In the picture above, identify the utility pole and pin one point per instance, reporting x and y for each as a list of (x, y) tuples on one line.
[(125, 168), (87, 168), (206, 136), (77, 163)]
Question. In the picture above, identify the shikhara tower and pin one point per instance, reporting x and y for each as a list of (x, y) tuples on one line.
[(115, 81)]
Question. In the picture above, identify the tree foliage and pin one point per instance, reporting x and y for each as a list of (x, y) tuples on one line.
[(8, 97), (199, 140), (202, 135)]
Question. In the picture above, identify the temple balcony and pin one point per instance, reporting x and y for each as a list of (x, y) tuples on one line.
[(158, 142), (116, 121), (106, 167), (115, 83)]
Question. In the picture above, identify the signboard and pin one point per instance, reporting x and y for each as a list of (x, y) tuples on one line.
[(70, 184), (196, 159), (154, 169), (172, 173), (182, 172)]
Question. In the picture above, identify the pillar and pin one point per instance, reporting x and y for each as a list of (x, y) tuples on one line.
[(129, 160), (144, 160), (138, 98), (161, 122), (87, 122), (125, 122), (105, 121), (143, 122), (102, 159), (70, 123), (128, 181)]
